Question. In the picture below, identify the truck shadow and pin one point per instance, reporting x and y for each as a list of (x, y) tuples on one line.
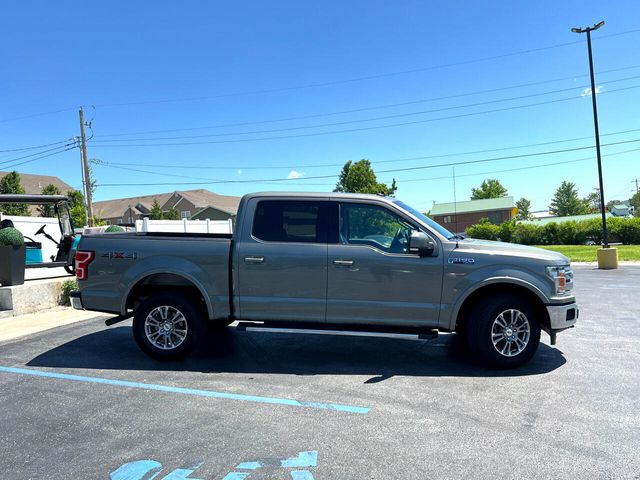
[(231, 351)]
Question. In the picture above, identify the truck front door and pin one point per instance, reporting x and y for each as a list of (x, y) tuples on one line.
[(282, 261), (372, 279)]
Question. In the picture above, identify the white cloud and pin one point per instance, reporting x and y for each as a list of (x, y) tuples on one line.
[(295, 174), (587, 91), (239, 172)]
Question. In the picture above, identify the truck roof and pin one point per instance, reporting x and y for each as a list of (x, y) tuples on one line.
[(361, 196)]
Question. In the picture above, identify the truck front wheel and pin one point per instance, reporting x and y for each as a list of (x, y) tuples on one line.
[(166, 326), (503, 331)]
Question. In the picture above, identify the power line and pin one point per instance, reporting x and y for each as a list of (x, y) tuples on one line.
[(405, 169), (39, 158), (376, 107), (375, 127), (368, 77), (372, 119), (36, 115), (375, 162), (33, 147), (37, 153)]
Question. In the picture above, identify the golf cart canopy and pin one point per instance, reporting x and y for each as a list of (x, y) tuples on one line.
[(33, 199)]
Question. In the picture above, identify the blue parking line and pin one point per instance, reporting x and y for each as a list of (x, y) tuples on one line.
[(188, 391)]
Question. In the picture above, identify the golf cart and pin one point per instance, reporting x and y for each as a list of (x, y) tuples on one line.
[(67, 241)]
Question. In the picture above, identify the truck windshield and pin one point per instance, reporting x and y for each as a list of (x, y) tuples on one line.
[(437, 227)]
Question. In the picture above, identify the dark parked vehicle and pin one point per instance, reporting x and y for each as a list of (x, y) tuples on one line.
[(343, 262)]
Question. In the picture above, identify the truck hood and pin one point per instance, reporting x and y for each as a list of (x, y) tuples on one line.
[(489, 247)]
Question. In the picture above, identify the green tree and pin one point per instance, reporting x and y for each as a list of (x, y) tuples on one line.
[(635, 203), (593, 201), (566, 201), (47, 210), (172, 214), (10, 184), (77, 208), (524, 209), (490, 188), (359, 177), (156, 211)]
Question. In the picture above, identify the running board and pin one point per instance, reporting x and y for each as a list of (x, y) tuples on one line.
[(333, 329)]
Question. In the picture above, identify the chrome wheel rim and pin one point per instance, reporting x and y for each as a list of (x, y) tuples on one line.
[(510, 332), (166, 327)]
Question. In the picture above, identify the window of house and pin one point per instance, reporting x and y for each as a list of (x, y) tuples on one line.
[(291, 221), (185, 214), (447, 219)]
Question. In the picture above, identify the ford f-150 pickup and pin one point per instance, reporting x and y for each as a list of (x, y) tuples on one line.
[(329, 261)]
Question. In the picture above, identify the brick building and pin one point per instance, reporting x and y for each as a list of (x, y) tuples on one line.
[(460, 215)]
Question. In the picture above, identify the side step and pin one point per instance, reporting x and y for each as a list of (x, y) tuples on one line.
[(407, 333)]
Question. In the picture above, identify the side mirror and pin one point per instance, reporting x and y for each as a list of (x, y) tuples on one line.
[(421, 244)]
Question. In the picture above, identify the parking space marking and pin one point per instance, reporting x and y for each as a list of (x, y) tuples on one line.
[(188, 391)]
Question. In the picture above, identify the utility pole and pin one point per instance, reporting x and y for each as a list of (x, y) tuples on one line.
[(587, 30), (85, 169), (637, 186)]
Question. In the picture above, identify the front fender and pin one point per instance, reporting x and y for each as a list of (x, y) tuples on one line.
[(462, 288)]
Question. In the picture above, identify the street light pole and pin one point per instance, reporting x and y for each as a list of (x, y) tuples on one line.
[(587, 30)]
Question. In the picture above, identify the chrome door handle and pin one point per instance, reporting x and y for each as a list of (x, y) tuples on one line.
[(254, 259), (346, 263)]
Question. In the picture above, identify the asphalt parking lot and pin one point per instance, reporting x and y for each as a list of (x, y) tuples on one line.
[(81, 401)]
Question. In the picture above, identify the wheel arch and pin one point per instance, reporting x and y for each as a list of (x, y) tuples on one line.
[(527, 292), (152, 282)]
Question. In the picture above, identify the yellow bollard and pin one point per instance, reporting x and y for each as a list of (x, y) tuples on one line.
[(607, 258)]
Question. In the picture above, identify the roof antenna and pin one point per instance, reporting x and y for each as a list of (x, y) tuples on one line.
[(455, 206)]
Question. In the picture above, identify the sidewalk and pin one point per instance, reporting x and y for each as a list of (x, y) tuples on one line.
[(22, 325)]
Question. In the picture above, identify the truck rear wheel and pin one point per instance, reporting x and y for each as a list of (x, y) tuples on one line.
[(167, 326), (503, 331)]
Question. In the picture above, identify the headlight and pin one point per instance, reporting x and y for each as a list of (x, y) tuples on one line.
[(562, 277)]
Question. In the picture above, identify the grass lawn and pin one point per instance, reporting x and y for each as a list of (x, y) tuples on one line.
[(587, 253)]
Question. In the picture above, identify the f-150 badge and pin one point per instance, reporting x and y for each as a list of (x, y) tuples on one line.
[(462, 260)]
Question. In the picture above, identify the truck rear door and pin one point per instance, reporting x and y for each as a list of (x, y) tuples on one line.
[(282, 260)]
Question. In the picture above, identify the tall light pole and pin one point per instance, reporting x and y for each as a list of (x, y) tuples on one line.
[(587, 30)]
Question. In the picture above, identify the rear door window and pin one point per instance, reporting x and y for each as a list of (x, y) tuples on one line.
[(291, 221)]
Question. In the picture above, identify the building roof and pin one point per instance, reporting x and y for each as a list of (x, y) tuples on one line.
[(201, 198), (469, 206), (33, 184), (574, 218), (116, 207)]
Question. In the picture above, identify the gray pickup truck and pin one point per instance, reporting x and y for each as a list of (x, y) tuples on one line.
[(328, 261)]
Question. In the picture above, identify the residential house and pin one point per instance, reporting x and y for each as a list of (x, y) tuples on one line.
[(192, 204), (457, 216), (33, 185)]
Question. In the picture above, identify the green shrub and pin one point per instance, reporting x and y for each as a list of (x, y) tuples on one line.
[(11, 237), (550, 234), (629, 231), (484, 230), (570, 233), (592, 230), (505, 231), (527, 234), (68, 286), (114, 229)]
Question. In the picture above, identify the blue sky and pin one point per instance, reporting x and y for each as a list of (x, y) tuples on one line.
[(244, 68)]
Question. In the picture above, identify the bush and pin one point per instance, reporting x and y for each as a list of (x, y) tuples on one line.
[(570, 233), (68, 286), (114, 229), (505, 231), (484, 230), (527, 234), (11, 237), (629, 231)]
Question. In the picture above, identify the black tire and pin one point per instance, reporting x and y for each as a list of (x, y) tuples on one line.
[(181, 336), (498, 346)]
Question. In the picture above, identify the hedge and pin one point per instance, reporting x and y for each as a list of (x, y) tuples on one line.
[(623, 230)]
